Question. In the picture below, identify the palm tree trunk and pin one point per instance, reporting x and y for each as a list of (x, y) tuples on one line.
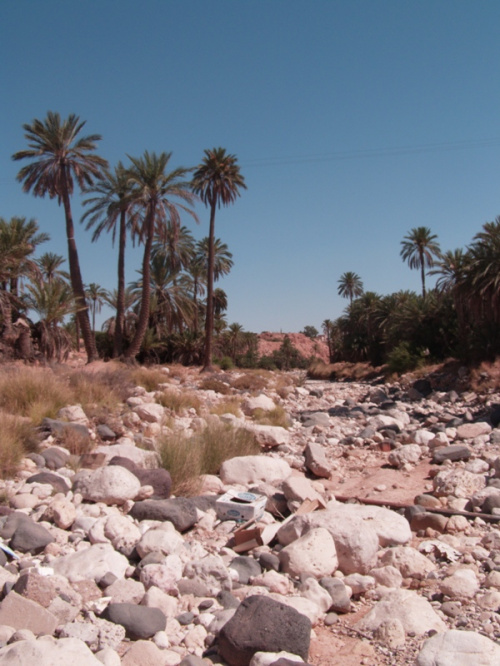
[(120, 297), (209, 319), (142, 323), (76, 276)]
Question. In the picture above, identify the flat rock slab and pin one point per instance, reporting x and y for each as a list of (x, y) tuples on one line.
[(21, 613), (459, 648), (48, 651), (261, 624), (453, 453)]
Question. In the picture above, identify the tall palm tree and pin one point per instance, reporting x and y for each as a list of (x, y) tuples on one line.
[(58, 156), (155, 201), (97, 295), (108, 210), (23, 237), (420, 249), (350, 286), (484, 270), (217, 181), (177, 247)]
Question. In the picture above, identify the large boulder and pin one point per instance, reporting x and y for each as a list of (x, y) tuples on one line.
[(111, 485), (459, 648), (314, 553), (48, 651), (261, 624)]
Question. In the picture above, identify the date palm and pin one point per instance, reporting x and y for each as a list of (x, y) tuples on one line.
[(108, 211), (97, 295), (420, 249), (49, 265), (157, 198), (217, 181), (223, 259), (350, 286), (22, 237), (57, 157)]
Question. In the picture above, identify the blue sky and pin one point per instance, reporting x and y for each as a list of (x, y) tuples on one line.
[(353, 121)]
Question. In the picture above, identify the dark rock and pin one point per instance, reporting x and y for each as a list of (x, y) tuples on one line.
[(59, 484), (54, 458), (454, 422), (269, 561), (454, 452), (262, 624), (341, 602), (425, 519), (140, 622), (227, 600), (59, 428), (423, 386), (412, 511), (494, 416), (105, 433), (180, 511), (26, 535), (37, 459), (316, 393), (283, 661), (490, 503), (246, 567), (368, 433), (108, 579), (185, 618)]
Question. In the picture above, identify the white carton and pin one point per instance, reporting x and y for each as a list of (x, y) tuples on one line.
[(240, 506)]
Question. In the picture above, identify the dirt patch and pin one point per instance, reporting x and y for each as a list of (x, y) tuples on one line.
[(307, 347)]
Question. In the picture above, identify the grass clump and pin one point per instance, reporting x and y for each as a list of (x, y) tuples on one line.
[(213, 384), (250, 381), (229, 406), (95, 393), (148, 378), (188, 458), (32, 392), (17, 440), (272, 417), (178, 401)]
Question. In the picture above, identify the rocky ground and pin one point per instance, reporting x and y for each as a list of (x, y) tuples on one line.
[(380, 543)]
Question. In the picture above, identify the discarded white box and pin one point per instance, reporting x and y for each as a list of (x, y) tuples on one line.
[(240, 506)]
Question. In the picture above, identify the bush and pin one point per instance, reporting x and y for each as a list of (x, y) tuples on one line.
[(250, 381), (403, 359), (188, 458), (178, 401), (273, 417), (225, 363), (213, 384)]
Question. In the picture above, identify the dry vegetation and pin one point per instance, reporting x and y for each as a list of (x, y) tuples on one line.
[(188, 458)]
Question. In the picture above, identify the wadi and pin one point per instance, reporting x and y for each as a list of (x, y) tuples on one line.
[(166, 516)]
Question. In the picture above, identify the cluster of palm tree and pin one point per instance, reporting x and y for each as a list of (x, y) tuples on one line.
[(459, 317), (143, 201)]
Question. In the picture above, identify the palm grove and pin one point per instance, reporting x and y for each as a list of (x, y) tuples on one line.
[(160, 315), (174, 312)]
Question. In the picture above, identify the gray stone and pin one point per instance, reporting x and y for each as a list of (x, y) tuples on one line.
[(28, 536), (261, 624), (139, 621), (180, 511), (246, 567), (57, 482), (454, 452)]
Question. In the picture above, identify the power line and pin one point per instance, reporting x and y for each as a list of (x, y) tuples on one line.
[(373, 152)]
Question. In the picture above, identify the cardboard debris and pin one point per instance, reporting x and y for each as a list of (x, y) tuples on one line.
[(240, 506), (245, 537)]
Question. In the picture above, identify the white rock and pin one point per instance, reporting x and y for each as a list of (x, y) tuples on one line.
[(113, 484), (163, 539), (459, 648), (313, 553), (91, 563), (248, 470), (73, 413), (462, 584), (268, 436), (48, 651), (150, 412), (262, 401), (268, 658), (415, 613), (408, 561)]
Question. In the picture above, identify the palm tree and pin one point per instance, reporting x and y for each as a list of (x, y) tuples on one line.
[(56, 157), (223, 259), (154, 195), (350, 286), (22, 237), (177, 247), (97, 295), (419, 249), (217, 180), (130, 299), (108, 210), (49, 265)]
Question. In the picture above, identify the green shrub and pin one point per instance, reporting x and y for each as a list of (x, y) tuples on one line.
[(225, 363), (403, 359)]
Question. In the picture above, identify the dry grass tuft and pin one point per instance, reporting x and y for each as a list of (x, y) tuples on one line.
[(32, 392), (273, 417), (188, 458), (213, 384), (149, 378), (17, 439), (76, 443), (229, 406), (251, 381), (179, 401)]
